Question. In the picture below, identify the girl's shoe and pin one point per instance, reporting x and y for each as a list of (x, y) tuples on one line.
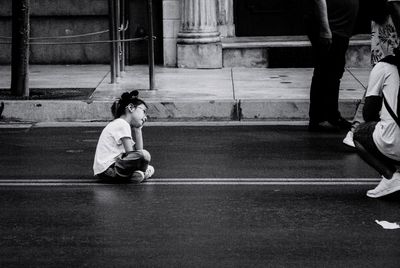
[(138, 176), (149, 172)]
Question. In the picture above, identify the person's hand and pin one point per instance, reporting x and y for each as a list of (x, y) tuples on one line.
[(325, 36), (325, 42)]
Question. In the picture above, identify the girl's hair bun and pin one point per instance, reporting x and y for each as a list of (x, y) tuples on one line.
[(125, 96), (134, 93), (119, 107)]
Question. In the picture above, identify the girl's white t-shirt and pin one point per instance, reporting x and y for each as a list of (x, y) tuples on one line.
[(110, 144), (384, 79)]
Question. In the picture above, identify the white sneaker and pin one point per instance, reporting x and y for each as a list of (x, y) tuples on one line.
[(386, 186), (149, 172), (348, 140), (138, 176)]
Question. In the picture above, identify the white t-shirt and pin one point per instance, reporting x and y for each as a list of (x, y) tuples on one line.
[(384, 78), (110, 144)]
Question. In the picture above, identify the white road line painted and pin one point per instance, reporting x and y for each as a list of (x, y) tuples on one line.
[(5, 125), (50, 184), (201, 181), (267, 179), (258, 183), (47, 181)]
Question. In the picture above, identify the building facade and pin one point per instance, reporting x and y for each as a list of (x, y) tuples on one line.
[(189, 33)]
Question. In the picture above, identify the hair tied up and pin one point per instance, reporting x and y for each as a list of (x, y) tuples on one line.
[(134, 94), (125, 97), (119, 107), (114, 108)]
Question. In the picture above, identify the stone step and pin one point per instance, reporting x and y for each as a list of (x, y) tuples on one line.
[(159, 111), (286, 52)]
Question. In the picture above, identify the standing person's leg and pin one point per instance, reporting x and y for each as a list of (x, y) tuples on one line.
[(370, 153), (337, 60), (317, 105), (317, 111)]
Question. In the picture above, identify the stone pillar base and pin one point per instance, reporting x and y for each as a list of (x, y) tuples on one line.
[(227, 30), (199, 56)]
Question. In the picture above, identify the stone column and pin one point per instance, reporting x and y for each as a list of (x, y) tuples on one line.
[(225, 18), (199, 42)]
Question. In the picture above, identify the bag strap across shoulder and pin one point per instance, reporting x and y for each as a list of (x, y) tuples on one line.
[(391, 111)]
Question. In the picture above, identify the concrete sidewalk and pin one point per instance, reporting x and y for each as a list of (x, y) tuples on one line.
[(180, 95)]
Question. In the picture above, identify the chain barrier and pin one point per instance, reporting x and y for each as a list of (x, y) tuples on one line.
[(61, 36), (86, 42), (117, 39), (122, 28)]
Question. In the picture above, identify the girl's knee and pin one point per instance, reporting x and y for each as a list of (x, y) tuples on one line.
[(146, 155)]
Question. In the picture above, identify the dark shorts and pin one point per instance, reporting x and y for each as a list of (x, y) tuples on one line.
[(126, 164), (363, 135)]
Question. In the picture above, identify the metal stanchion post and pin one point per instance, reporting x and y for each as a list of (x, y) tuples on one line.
[(20, 48), (117, 23), (151, 45), (111, 14), (123, 36)]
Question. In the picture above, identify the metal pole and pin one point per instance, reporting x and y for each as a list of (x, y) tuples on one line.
[(117, 37), (111, 23), (20, 48), (123, 36), (151, 45)]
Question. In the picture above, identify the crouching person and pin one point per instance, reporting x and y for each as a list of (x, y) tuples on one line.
[(378, 139), (119, 155)]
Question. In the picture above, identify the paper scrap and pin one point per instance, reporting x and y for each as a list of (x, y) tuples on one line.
[(388, 225)]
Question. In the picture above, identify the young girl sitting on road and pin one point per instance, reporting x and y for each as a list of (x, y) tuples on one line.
[(118, 155), (378, 139)]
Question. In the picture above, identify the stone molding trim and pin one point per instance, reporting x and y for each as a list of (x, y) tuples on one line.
[(198, 38)]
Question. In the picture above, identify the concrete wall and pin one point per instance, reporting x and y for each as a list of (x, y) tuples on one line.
[(5, 31), (59, 18), (171, 25)]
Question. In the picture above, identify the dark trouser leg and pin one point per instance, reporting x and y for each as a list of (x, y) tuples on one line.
[(367, 149), (336, 65), (320, 75), (329, 63)]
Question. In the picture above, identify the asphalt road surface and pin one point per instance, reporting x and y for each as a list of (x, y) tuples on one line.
[(187, 152), (234, 196)]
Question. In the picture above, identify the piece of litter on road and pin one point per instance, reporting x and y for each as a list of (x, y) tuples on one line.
[(388, 225)]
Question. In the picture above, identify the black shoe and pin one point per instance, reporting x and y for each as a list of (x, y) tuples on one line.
[(342, 124), (323, 126)]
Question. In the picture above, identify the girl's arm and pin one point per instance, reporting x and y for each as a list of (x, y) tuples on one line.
[(138, 138), (128, 143)]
